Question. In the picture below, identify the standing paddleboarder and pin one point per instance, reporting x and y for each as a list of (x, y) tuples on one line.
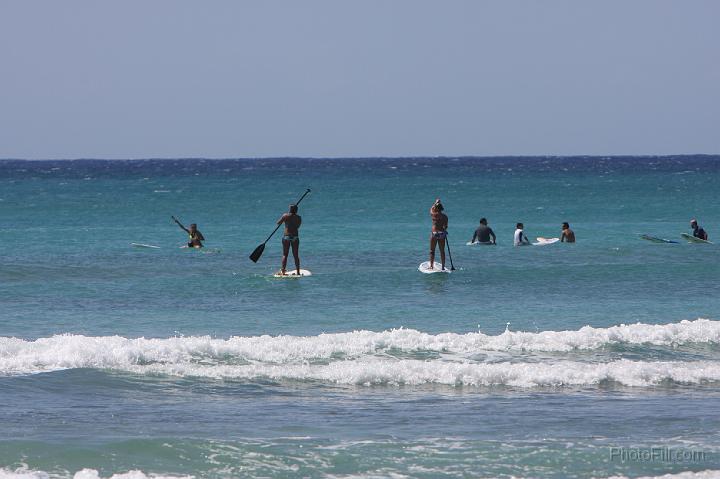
[(438, 234), (291, 237)]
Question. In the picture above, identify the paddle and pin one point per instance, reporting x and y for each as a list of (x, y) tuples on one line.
[(255, 256), (447, 243)]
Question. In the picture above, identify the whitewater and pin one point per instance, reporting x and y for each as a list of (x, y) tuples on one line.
[(376, 358)]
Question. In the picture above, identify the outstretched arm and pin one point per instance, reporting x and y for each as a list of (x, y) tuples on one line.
[(281, 220), (180, 224)]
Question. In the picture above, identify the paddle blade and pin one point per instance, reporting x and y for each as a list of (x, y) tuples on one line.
[(255, 256)]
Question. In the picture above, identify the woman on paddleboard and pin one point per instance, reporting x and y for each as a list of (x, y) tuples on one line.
[(195, 237), (291, 237), (438, 233)]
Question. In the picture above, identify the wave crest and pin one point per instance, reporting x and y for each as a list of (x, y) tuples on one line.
[(366, 357)]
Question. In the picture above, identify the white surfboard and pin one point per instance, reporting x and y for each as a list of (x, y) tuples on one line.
[(437, 268), (478, 243), (142, 245), (692, 239), (545, 241), (292, 274), (656, 239)]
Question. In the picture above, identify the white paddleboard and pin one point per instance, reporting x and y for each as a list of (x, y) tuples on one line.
[(437, 268), (142, 245), (692, 239), (545, 241), (292, 274)]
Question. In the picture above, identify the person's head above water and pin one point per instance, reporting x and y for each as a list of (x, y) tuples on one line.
[(193, 227), (293, 209), (483, 221), (438, 206), (566, 226), (693, 222), (519, 226)]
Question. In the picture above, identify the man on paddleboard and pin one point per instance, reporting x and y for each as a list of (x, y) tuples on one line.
[(195, 237), (438, 233), (483, 233), (698, 232), (568, 235), (291, 237)]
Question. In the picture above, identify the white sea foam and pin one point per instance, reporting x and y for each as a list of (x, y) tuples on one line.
[(709, 474), (24, 473), (365, 357), (72, 351), (93, 474), (375, 371)]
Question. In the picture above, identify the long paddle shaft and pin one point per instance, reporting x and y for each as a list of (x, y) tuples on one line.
[(447, 243), (255, 256)]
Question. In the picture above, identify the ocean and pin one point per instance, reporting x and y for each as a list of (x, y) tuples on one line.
[(594, 359)]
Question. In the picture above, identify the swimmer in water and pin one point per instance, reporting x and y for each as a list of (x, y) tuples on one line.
[(519, 239), (195, 237), (568, 235), (438, 233), (698, 232), (291, 237), (483, 233)]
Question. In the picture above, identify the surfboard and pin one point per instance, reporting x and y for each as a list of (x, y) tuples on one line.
[(545, 241), (204, 249), (142, 245), (437, 268), (292, 274), (655, 239), (478, 243), (692, 239)]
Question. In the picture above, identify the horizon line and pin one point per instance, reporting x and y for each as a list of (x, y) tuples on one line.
[(439, 157)]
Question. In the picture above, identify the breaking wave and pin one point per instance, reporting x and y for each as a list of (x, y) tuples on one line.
[(369, 358)]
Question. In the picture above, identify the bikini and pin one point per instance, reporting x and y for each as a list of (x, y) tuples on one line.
[(438, 235)]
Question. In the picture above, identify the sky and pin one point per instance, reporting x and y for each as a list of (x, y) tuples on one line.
[(335, 78)]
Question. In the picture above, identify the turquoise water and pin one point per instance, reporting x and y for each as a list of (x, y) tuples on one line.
[(525, 362)]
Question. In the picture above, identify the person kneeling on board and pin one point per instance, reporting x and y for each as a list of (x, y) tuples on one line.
[(698, 232), (483, 233), (438, 233), (291, 237), (568, 235), (195, 236), (519, 239)]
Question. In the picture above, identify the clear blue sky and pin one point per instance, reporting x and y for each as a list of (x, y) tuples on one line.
[(139, 79)]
